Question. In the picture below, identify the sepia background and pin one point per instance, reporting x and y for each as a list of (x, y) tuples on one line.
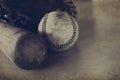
[(96, 56)]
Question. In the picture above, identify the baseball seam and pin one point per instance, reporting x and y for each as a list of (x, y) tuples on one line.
[(61, 45)]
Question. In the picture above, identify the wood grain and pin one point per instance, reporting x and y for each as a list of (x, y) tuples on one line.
[(26, 49)]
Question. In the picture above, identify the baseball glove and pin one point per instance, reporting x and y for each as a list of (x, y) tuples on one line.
[(27, 13)]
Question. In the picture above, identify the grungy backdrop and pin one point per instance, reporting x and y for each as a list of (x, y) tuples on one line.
[(96, 56)]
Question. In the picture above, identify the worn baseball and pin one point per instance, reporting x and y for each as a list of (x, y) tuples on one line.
[(27, 50), (60, 30)]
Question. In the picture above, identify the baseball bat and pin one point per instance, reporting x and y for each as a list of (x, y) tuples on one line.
[(27, 50)]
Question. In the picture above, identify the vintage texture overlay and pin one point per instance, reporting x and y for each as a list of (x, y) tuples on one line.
[(95, 56)]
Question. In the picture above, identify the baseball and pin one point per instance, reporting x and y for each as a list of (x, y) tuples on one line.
[(27, 50), (59, 30)]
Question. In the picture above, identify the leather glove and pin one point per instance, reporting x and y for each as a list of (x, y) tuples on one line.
[(28, 13)]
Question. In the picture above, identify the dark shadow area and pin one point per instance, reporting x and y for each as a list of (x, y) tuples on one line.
[(54, 59), (36, 9)]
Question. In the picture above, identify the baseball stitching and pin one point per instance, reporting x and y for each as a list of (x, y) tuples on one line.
[(50, 42)]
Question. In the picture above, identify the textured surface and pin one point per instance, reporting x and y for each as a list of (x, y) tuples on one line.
[(9, 36), (60, 30), (96, 55), (27, 50)]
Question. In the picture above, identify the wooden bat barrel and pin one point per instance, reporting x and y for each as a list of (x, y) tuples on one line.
[(27, 50)]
